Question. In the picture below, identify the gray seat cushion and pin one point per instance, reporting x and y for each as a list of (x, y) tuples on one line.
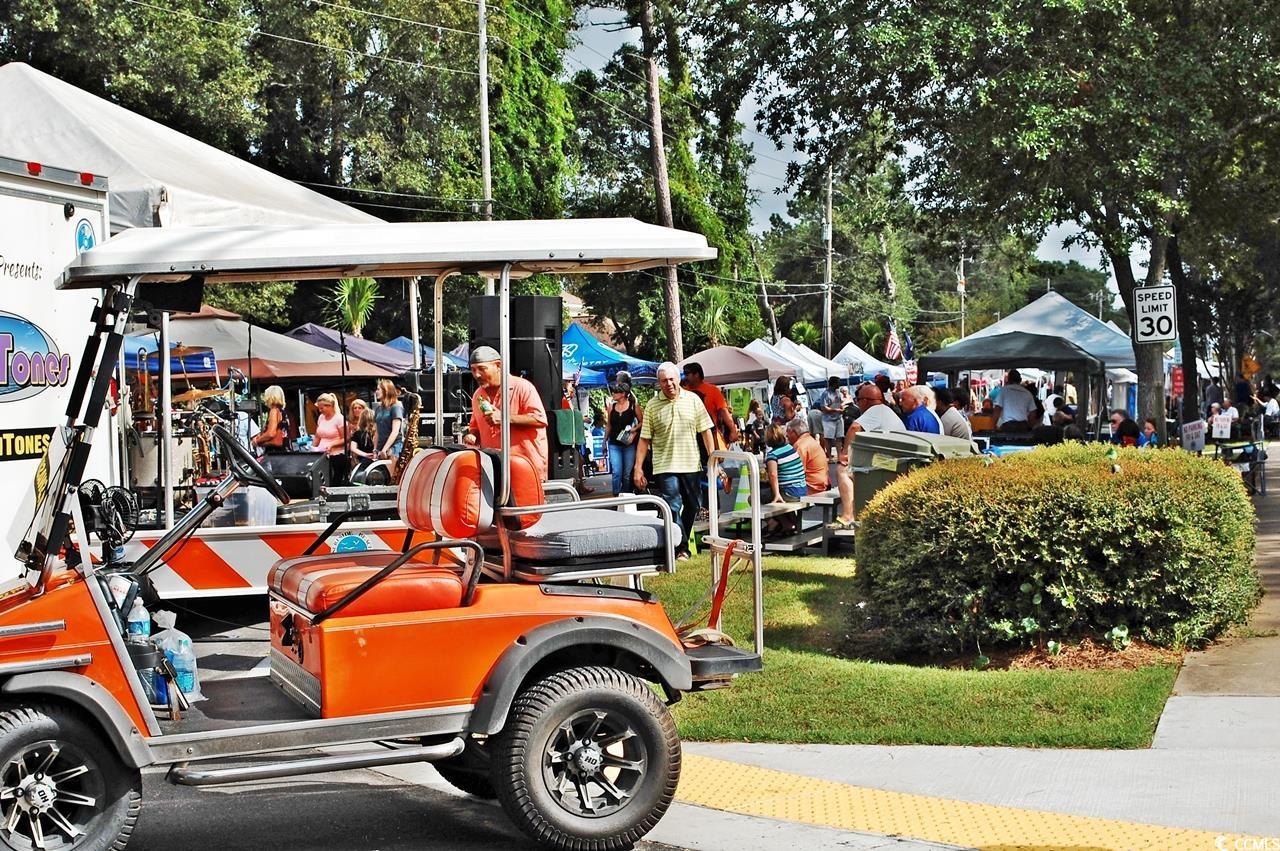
[(587, 533)]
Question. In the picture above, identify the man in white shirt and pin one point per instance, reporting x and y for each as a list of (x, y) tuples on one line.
[(876, 416), (953, 422), (1016, 405), (1229, 409)]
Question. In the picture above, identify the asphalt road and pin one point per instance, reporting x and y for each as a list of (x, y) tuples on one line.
[(348, 811)]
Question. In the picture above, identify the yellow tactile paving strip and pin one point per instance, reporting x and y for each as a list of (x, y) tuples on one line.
[(746, 789)]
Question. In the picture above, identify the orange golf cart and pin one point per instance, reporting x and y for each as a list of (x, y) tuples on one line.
[(497, 643)]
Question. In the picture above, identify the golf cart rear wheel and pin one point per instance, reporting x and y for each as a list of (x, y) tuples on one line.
[(588, 761), (61, 786)]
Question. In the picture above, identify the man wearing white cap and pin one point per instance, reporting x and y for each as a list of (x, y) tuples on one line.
[(528, 416)]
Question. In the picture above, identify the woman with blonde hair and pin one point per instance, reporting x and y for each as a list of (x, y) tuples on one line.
[(354, 410), (389, 416), (274, 436), (331, 437)]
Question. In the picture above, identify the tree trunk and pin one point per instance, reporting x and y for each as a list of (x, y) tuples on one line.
[(661, 186), (765, 308), (886, 273), (1186, 334), (1149, 356)]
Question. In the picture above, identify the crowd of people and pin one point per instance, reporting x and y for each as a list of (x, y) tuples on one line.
[(663, 446), (352, 441)]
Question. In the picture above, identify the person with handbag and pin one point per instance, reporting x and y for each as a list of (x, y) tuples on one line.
[(624, 427), (274, 436)]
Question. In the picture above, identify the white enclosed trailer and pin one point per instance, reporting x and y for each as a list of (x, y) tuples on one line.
[(47, 217)]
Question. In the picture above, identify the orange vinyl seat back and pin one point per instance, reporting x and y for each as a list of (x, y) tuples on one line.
[(526, 490), (448, 492)]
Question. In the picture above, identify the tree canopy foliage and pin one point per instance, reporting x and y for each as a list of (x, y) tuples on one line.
[(951, 130)]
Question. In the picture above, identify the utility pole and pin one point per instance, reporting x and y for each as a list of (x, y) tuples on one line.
[(961, 286), (1100, 292), (486, 173), (826, 276), (661, 186)]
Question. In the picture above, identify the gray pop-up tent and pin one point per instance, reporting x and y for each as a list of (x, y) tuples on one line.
[(1053, 315), (1018, 349)]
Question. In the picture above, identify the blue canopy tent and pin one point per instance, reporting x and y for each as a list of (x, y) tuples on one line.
[(140, 346), (388, 357), (586, 377), (581, 349), (404, 344)]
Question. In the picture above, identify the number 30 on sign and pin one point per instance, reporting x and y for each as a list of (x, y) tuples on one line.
[(1155, 318)]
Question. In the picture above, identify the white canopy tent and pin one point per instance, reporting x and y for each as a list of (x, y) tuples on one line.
[(800, 350), (859, 362), (810, 374), (156, 175), (380, 249)]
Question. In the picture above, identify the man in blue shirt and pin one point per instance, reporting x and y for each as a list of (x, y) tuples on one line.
[(917, 404)]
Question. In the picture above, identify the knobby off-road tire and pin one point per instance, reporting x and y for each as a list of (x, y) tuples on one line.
[(61, 785), (588, 761)]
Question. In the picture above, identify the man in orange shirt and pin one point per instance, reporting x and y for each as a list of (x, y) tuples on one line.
[(714, 401), (815, 460), (528, 416)]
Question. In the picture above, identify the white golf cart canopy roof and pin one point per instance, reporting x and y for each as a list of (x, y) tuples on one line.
[(407, 249)]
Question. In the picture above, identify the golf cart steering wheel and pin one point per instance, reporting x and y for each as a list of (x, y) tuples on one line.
[(245, 467)]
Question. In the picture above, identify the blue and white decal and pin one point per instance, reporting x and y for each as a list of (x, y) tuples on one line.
[(85, 237)]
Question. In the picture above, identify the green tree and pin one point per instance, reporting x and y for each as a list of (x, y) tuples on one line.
[(265, 304), (185, 63), (806, 333), (351, 303), (1110, 115)]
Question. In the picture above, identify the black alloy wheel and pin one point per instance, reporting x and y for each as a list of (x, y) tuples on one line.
[(589, 760), (61, 786)]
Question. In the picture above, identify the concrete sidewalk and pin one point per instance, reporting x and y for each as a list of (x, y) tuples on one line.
[(1214, 764)]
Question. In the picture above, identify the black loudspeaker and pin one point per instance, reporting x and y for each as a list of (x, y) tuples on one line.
[(536, 333), (458, 389), (301, 474)]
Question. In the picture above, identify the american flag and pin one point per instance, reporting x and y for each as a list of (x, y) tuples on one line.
[(893, 346)]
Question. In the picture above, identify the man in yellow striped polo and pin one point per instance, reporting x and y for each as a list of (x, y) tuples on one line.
[(674, 421)]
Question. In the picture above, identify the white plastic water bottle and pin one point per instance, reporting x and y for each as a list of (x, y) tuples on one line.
[(184, 665), (139, 621)]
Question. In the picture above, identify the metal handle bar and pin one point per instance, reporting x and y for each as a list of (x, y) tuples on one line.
[(751, 469)]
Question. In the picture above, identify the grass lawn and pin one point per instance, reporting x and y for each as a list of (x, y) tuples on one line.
[(808, 693)]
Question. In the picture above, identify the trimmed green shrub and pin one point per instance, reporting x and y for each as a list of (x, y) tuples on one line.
[(1062, 542)]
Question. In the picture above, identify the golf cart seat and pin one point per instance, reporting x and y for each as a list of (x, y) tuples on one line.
[(558, 544), (442, 492)]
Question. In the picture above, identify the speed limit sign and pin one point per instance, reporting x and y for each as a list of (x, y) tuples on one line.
[(1155, 317)]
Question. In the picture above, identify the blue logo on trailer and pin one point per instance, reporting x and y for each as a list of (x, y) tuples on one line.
[(29, 360), (351, 544), (85, 237)]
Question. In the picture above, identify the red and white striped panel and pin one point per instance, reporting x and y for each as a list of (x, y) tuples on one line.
[(220, 562)]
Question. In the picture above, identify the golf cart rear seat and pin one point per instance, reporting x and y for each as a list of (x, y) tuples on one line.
[(536, 542), (440, 493)]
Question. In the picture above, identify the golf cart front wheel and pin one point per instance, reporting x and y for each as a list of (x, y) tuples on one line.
[(61, 787), (589, 760)]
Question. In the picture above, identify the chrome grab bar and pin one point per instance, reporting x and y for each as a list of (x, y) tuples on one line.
[(755, 549)]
